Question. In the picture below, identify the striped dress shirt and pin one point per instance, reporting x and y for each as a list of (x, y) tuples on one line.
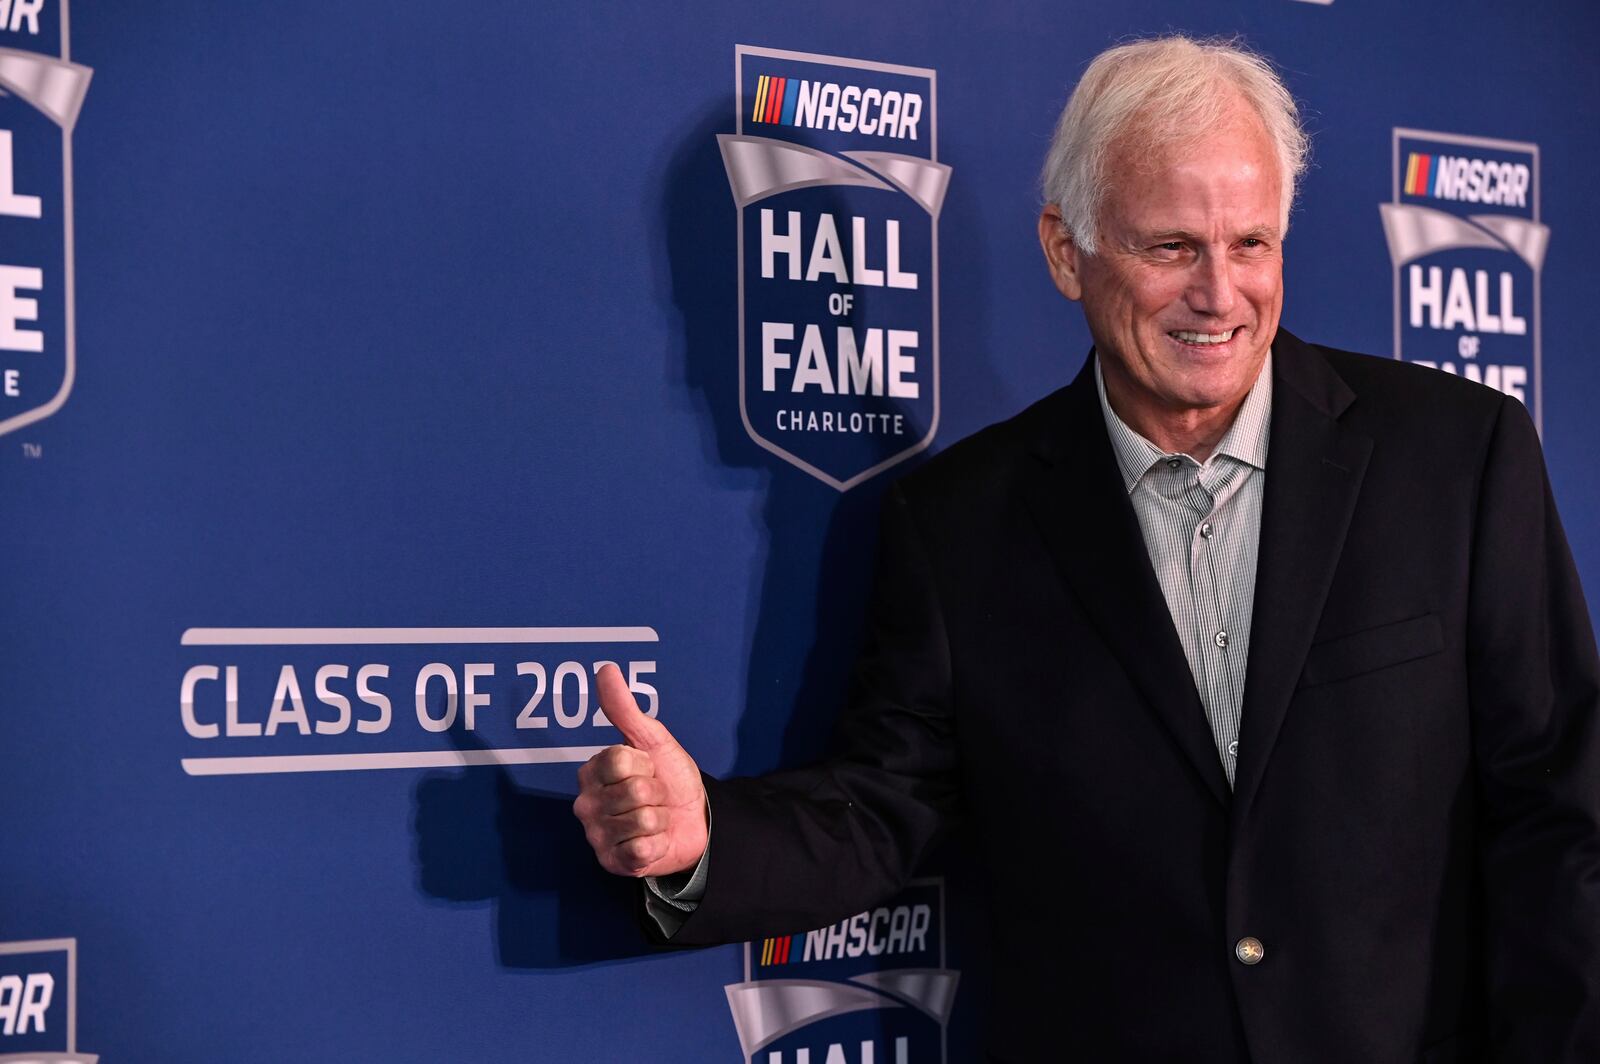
[(1202, 526)]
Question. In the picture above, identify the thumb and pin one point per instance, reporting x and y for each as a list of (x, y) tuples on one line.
[(639, 731)]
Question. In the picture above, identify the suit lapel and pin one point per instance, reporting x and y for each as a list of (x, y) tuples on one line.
[(1314, 472), (1077, 499)]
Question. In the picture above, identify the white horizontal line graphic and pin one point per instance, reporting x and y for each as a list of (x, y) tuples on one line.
[(272, 763), (280, 637)]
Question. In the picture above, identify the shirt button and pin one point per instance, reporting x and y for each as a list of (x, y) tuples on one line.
[(1249, 950), (1173, 463), (1221, 639), (1233, 748), (1205, 529)]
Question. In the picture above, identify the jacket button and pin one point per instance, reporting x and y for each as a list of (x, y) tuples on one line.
[(1249, 950)]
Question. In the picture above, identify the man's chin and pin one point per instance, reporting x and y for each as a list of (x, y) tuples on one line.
[(1212, 391), (1211, 377)]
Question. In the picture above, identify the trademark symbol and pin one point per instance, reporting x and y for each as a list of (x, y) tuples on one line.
[(33, 450)]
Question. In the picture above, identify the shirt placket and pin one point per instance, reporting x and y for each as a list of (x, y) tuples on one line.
[(1212, 623)]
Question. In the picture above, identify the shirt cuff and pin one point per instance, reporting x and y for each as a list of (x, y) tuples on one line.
[(683, 890), (670, 899)]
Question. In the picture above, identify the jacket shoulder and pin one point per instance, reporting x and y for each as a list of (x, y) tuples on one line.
[(1406, 391), (986, 464)]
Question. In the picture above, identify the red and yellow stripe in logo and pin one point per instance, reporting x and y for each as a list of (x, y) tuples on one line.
[(775, 100), (1419, 174), (776, 950)]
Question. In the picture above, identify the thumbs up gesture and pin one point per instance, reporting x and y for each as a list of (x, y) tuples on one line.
[(642, 805)]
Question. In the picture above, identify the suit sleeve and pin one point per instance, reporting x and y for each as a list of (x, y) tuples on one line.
[(802, 849), (1535, 697)]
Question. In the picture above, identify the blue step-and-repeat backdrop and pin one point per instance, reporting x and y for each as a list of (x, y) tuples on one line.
[(372, 371)]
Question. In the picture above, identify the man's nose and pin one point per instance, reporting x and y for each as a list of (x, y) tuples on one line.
[(1211, 288)]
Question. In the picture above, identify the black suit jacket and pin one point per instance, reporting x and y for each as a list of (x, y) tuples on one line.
[(1414, 834)]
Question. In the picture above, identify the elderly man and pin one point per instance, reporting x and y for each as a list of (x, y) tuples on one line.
[(1276, 779)]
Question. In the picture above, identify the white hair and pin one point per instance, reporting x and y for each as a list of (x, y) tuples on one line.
[(1161, 91)]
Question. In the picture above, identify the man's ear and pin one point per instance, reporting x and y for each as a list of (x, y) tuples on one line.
[(1060, 253)]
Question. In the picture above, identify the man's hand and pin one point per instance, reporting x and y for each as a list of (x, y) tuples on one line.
[(642, 805)]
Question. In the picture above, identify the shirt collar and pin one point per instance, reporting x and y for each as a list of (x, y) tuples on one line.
[(1245, 440)]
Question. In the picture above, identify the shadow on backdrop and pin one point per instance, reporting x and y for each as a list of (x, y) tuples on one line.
[(484, 839)]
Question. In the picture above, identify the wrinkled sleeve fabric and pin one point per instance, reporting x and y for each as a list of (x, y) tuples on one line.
[(669, 900), (800, 849), (1535, 700)]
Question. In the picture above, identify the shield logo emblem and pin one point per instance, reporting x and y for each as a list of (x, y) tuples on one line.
[(41, 92), (1468, 250), (835, 174), (873, 987)]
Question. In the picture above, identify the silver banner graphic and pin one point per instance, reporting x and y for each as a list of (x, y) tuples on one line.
[(1414, 231), (759, 167), (52, 85), (767, 1010)]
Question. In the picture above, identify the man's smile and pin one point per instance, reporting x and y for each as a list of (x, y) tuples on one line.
[(1200, 339)]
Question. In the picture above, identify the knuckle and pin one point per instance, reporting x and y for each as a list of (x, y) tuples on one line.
[(616, 800), (610, 764), (635, 852), (655, 848), (605, 761)]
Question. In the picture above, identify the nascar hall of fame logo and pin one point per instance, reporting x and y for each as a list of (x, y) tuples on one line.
[(1468, 250), (41, 91), (39, 1002), (834, 167), (871, 989)]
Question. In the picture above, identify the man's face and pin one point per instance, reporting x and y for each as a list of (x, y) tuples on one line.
[(1183, 296)]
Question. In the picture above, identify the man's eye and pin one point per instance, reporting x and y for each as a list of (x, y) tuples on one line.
[(1253, 242), (1171, 245)]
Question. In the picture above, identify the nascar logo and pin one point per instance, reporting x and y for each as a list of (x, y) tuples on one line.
[(788, 101), (902, 929), (1454, 177)]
